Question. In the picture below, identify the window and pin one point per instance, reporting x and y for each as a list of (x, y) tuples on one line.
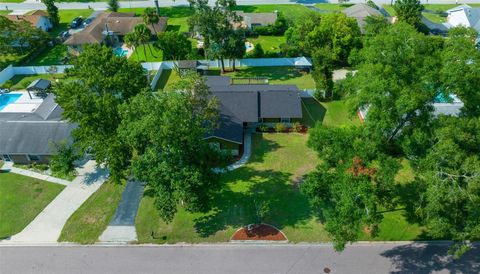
[(6, 157), (32, 157)]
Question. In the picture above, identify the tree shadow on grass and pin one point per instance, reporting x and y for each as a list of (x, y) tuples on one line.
[(237, 205), (428, 258)]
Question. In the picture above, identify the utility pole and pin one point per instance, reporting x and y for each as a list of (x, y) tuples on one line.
[(156, 6)]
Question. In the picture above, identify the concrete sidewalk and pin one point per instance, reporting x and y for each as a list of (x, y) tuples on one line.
[(48, 225), (8, 166)]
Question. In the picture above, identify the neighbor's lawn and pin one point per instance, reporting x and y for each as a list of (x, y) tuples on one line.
[(50, 56), (21, 81), (93, 217), (278, 161), (332, 7), (11, 1), (291, 12), (66, 17), (277, 75), (5, 12), (147, 54), (22, 199), (177, 16), (269, 43)]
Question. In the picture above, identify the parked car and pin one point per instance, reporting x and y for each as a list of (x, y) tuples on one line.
[(87, 22), (76, 22)]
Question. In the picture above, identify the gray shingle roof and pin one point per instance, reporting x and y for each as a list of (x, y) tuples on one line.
[(32, 137), (280, 104), (242, 105)]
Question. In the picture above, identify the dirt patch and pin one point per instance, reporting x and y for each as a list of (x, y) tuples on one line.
[(262, 232)]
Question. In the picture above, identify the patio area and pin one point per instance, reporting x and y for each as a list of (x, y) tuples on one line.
[(19, 102)]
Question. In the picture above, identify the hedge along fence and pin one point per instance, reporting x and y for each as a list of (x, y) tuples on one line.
[(11, 71)]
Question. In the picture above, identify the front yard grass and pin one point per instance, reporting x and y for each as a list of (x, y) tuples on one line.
[(22, 199), (278, 162), (93, 217), (332, 7)]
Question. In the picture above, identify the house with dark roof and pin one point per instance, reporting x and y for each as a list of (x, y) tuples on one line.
[(109, 28), (246, 106), (28, 137)]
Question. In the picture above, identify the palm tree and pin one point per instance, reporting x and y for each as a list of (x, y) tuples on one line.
[(143, 34), (131, 41), (150, 17)]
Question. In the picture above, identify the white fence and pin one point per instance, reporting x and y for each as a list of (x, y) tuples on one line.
[(11, 71)]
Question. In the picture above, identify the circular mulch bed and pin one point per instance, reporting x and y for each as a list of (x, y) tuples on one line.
[(262, 232)]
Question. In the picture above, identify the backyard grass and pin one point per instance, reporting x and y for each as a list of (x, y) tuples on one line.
[(332, 7), (50, 56), (22, 199), (337, 114), (147, 54), (277, 75), (93, 217), (21, 81), (167, 79), (269, 43)]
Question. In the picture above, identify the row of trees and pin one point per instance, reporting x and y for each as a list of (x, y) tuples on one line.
[(156, 137), (400, 72)]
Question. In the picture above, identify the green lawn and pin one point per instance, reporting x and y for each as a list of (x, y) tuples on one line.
[(431, 7), (5, 12), (167, 78), (147, 54), (93, 217), (332, 7), (269, 43), (268, 177), (177, 16), (337, 114), (292, 12), (21, 81), (22, 199), (50, 56), (277, 75), (11, 1)]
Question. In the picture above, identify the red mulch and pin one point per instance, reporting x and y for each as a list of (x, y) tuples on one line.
[(261, 232)]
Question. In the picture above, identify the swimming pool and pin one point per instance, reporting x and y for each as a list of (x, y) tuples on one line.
[(120, 52), (6, 99)]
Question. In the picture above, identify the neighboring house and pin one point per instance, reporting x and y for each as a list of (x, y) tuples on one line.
[(464, 15), (441, 106), (109, 28), (38, 19), (252, 20), (28, 137), (247, 106), (360, 12)]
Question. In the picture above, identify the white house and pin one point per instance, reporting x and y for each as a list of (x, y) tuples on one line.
[(36, 18), (464, 15)]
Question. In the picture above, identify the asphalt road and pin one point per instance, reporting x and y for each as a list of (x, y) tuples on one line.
[(360, 258), (36, 4)]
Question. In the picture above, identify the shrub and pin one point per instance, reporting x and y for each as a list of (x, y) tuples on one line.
[(280, 127), (263, 128), (372, 4), (297, 127), (257, 51), (63, 161)]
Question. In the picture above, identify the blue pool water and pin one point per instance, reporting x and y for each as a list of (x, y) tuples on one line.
[(441, 98), (6, 99), (120, 52)]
